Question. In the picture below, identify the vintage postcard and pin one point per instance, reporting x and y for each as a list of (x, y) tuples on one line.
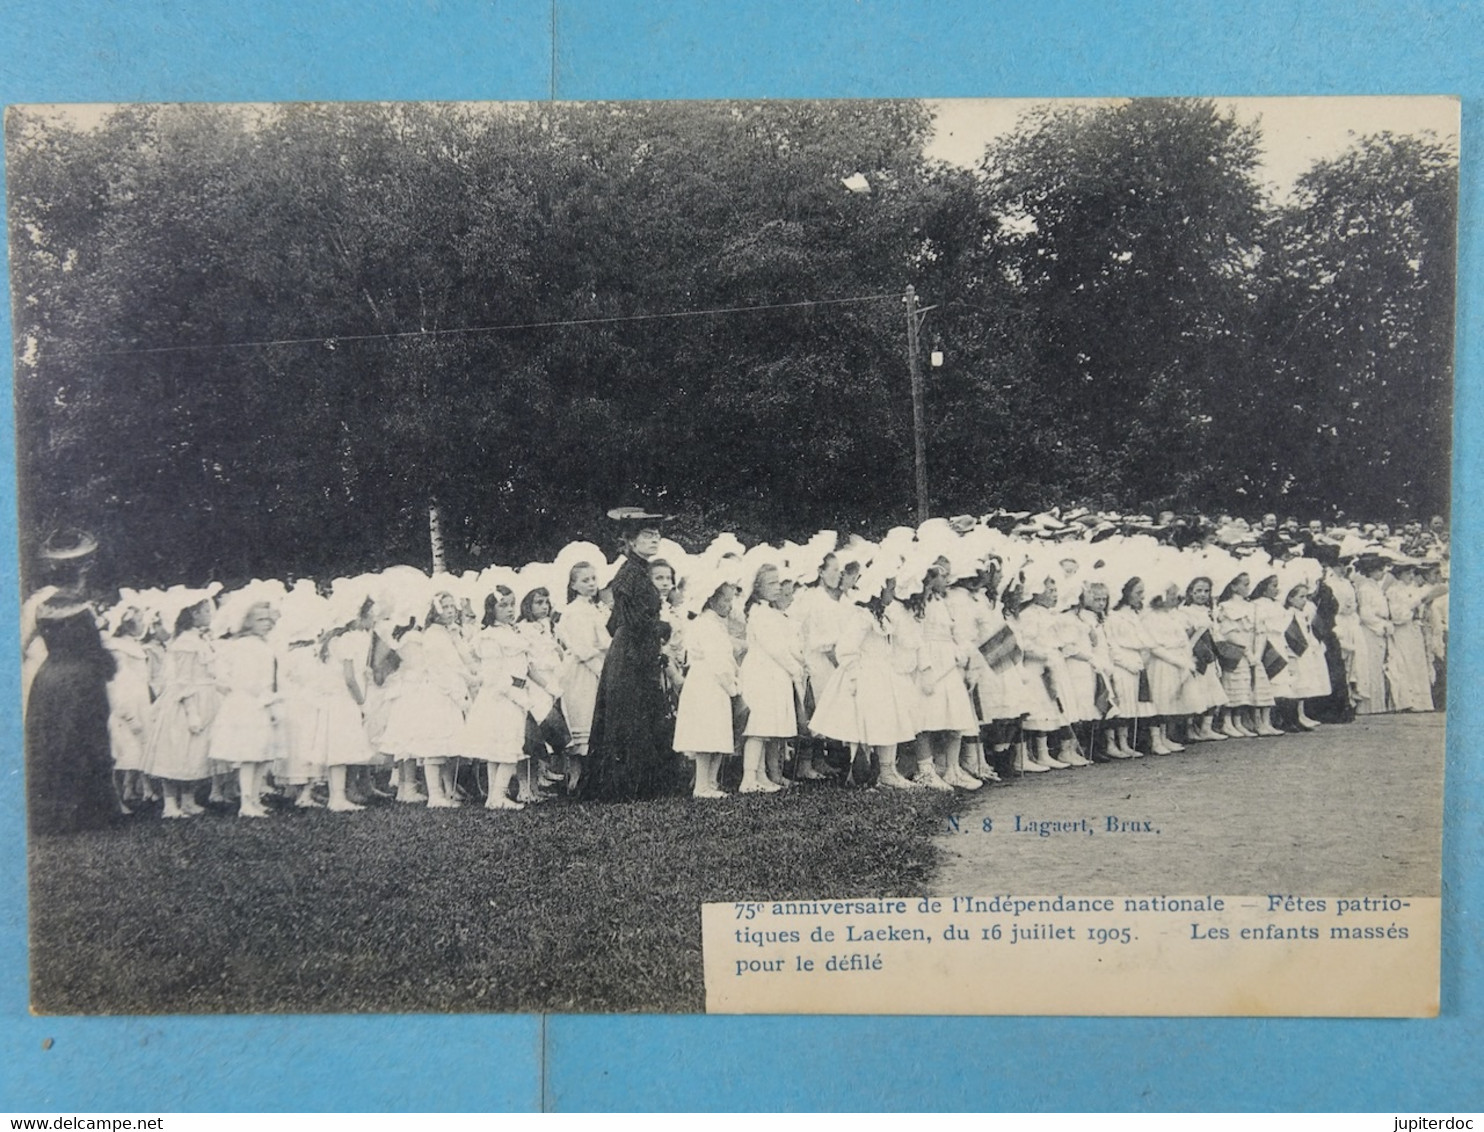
[(835, 556)]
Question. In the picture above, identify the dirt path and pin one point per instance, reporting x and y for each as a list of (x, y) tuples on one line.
[(1346, 811)]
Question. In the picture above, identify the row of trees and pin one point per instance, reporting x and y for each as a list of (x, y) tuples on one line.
[(263, 341)]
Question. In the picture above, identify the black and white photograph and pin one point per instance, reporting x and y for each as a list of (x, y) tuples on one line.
[(461, 540)]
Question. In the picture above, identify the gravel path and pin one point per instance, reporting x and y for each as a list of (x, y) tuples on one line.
[(1348, 810)]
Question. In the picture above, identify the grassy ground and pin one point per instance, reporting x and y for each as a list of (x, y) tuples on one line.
[(559, 907)]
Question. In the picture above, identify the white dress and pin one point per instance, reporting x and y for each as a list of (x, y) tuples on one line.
[(1203, 691), (129, 709), (1045, 674), (940, 670), (821, 619), (426, 698), (1003, 694), (348, 742), (1407, 667), (1236, 623), (1272, 622), (862, 700), (583, 632), (302, 714), (495, 730), (703, 722), (1310, 668), (189, 693), (547, 661), (1371, 639), (1085, 656), (1129, 644), (248, 726), (773, 666), (1171, 660)]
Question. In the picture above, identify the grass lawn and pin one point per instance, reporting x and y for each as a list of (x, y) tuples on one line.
[(561, 907)]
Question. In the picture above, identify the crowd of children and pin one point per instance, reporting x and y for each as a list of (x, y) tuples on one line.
[(960, 653)]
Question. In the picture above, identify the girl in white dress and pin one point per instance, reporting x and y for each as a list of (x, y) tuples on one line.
[(1310, 669), (1171, 666), (1201, 696), (662, 574), (1267, 689), (1090, 674), (179, 741), (247, 733), (771, 679), (129, 706), (703, 722), (973, 626), (536, 624), (1003, 697), (942, 674), (1129, 644), (1236, 627), (427, 701), (495, 731), (820, 611), (305, 744), (583, 632), (351, 754), (862, 704), (1045, 673)]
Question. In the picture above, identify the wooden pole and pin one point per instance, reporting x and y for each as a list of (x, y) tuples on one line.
[(919, 439), (435, 538)]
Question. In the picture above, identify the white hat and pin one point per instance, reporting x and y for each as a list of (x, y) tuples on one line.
[(349, 595), (177, 599), (539, 576), (754, 560), (569, 556), (405, 594), (703, 582), (722, 545), (858, 550), (130, 600), (304, 615), (236, 605), (873, 578), (608, 571), (809, 559), (491, 577), (912, 572)]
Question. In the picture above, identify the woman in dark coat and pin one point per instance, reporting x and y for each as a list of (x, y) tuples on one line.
[(630, 752), (69, 765)]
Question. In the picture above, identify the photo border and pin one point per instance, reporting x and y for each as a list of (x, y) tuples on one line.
[(90, 51)]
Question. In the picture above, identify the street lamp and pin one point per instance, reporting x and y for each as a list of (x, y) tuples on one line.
[(915, 316)]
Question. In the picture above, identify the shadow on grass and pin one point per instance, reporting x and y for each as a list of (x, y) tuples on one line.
[(561, 908)]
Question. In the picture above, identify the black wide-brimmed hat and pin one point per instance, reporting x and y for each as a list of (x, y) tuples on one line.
[(631, 519)]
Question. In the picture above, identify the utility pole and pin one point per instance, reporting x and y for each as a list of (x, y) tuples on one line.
[(919, 439)]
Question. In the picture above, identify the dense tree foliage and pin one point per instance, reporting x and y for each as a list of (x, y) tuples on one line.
[(265, 340)]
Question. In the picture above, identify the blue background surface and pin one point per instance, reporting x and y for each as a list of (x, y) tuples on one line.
[(271, 50)]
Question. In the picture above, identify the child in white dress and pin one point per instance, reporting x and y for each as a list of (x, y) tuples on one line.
[(247, 733), (495, 730), (772, 683), (180, 737), (703, 722), (583, 632)]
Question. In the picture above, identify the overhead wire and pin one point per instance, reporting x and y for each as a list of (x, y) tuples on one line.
[(332, 340)]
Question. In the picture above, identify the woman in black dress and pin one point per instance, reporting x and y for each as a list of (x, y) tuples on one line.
[(630, 752), (69, 765)]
